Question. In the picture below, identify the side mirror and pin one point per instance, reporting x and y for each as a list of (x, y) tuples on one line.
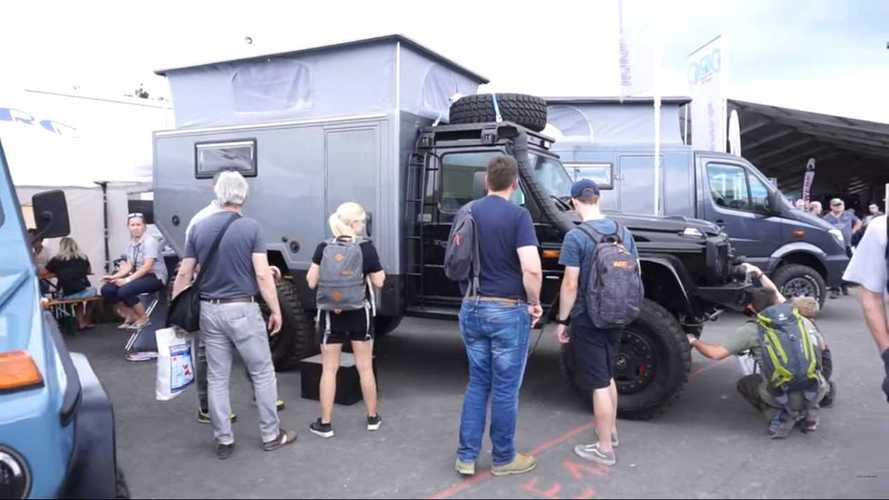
[(51, 214), (479, 185)]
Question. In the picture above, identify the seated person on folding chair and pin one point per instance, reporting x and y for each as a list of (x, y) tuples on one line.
[(71, 267), (143, 272)]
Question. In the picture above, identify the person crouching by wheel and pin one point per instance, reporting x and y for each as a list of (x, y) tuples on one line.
[(144, 271), (345, 271), (790, 385)]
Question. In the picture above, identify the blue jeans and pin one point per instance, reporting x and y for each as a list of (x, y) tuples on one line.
[(496, 340)]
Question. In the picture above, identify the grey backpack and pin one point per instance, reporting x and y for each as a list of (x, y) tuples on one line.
[(341, 285), (614, 289), (462, 262)]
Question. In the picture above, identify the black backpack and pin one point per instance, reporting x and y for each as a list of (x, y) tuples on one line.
[(614, 290), (462, 262)]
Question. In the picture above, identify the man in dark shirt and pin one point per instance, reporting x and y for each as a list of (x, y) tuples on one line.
[(230, 316), (849, 224), (496, 324)]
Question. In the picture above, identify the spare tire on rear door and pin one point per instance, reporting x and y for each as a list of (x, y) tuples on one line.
[(525, 110)]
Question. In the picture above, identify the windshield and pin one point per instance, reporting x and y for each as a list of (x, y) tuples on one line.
[(551, 174)]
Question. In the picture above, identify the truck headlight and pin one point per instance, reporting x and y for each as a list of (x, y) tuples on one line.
[(692, 232), (838, 235), (15, 478)]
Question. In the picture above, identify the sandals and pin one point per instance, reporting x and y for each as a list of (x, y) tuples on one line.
[(284, 438)]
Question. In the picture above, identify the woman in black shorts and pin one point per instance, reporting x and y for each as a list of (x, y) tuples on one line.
[(355, 326)]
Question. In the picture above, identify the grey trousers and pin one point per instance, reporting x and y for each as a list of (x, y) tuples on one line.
[(239, 326)]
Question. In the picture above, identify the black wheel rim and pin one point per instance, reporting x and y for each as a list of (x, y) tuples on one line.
[(636, 365), (800, 287)]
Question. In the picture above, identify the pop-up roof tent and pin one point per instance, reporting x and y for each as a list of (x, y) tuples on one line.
[(365, 76), (73, 143), (608, 120)]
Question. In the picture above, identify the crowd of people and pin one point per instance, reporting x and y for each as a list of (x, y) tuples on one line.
[(847, 222), (501, 305)]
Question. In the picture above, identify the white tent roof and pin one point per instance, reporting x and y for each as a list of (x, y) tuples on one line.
[(55, 139)]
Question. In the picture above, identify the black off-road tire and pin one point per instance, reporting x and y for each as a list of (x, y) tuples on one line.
[(384, 325), (297, 339), (787, 276), (525, 110), (661, 332)]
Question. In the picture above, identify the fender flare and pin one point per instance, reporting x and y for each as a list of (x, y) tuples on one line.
[(796, 247)]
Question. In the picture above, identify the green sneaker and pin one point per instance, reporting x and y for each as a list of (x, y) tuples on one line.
[(592, 453), (520, 464), (465, 468), (204, 417)]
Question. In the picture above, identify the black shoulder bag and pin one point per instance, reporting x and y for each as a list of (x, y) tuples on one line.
[(185, 309)]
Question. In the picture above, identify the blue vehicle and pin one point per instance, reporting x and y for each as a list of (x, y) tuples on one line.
[(56, 421)]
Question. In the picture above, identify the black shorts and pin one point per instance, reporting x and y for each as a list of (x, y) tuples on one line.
[(347, 325), (595, 355)]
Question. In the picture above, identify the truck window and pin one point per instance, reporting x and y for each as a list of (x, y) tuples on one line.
[(458, 177), (600, 173), (214, 157), (759, 194), (728, 186)]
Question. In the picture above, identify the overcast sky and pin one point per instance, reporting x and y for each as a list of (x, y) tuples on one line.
[(819, 55)]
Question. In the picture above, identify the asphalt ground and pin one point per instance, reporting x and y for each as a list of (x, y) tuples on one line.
[(709, 444)]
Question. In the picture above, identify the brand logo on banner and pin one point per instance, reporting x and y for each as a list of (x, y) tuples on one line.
[(706, 72)]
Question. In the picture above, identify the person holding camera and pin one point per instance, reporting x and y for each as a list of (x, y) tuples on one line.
[(788, 349)]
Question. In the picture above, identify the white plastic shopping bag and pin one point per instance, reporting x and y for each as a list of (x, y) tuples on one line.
[(175, 370)]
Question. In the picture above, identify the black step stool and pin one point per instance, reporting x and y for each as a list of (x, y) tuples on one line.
[(348, 384)]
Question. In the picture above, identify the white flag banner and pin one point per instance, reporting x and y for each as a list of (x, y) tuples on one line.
[(706, 76), (635, 43)]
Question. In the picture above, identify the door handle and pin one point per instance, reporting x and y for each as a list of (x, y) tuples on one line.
[(369, 224)]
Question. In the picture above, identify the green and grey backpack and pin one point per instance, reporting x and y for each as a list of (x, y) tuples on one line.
[(789, 360)]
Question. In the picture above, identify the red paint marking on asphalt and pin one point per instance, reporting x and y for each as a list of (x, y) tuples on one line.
[(709, 367), (531, 487), (469, 483), (472, 482)]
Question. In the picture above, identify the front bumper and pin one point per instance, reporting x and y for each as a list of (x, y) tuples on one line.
[(836, 266), (731, 296)]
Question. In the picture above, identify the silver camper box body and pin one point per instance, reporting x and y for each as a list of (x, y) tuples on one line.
[(310, 130)]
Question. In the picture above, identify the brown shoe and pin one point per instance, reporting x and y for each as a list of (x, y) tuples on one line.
[(520, 464)]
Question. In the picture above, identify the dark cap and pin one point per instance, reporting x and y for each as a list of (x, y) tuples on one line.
[(580, 187)]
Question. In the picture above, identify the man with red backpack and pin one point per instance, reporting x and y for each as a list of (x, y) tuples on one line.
[(602, 267)]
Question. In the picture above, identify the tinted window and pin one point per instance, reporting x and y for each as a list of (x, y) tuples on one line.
[(759, 194), (212, 158), (728, 186), (458, 180)]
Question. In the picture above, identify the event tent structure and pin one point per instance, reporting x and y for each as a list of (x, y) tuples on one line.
[(97, 150)]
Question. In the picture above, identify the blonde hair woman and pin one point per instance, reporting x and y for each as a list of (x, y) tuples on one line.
[(72, 267), (348, 227)]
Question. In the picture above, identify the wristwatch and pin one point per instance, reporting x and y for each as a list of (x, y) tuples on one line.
[(564, 322)]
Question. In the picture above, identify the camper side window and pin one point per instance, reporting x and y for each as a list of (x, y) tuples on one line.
[(214, 157), (600, 173)]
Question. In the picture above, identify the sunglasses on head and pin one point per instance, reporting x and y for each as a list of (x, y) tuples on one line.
[(136, 215)]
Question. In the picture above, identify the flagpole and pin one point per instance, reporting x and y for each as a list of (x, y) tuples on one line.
[(657, 53)]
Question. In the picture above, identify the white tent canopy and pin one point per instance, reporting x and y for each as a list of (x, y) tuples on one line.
[(74, 142)]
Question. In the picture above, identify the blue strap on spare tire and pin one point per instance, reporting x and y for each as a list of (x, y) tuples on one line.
[(496, 108)]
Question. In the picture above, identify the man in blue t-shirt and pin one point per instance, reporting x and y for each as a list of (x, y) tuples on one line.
[(595, 349), (495, 325)]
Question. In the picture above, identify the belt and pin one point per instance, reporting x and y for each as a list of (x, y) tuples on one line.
[(233, 300), (499, 300)]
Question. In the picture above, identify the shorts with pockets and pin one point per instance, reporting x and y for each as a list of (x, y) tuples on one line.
[(595, 354), (355, 326)]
